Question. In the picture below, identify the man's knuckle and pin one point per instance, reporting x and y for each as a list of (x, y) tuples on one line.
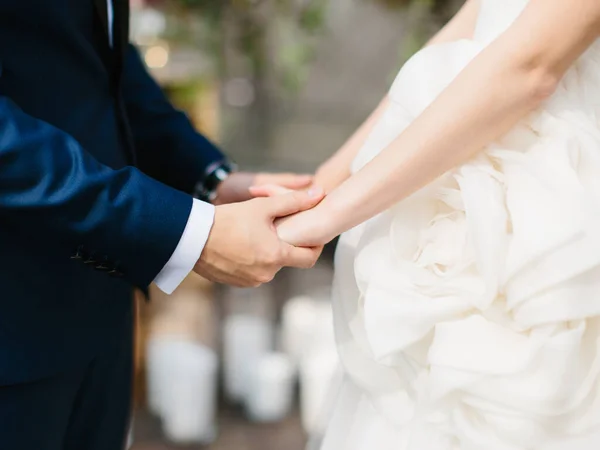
[(260, 280), (256, 203), (267, 274), (271, 260), (271, 257)]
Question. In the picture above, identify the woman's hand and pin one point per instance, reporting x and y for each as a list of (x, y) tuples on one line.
[(311, 228), (268, 190), (236, 188)]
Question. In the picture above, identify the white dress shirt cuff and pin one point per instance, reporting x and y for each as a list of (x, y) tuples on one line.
[(190, 247)]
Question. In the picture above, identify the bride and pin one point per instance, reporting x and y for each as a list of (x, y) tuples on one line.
[(467, 290)]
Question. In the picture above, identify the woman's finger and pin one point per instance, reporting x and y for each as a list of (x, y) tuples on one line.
[(268, 190), (289, 180)]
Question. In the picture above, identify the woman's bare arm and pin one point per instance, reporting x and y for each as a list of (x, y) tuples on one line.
[(336, 169), (509, 79)]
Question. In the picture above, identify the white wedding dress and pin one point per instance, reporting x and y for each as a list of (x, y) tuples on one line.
[(468, 316)]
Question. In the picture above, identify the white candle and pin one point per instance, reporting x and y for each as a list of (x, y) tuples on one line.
[(246, 338), (189, 409), (317, 375), (297, 323), (130, 437), (158, 356), (322, 332), (271, 393)]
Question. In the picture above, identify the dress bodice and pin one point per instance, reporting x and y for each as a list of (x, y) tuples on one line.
[(468, 315), (495, 16)]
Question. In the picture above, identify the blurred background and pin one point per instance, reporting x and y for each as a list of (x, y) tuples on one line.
[(280, 85)]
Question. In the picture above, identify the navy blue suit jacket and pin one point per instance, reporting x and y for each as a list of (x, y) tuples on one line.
[(96, 168)]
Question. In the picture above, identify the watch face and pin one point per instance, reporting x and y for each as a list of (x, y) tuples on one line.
[(221, 174)]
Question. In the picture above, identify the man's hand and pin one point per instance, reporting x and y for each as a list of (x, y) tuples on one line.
[(236, 188), (243, 248)]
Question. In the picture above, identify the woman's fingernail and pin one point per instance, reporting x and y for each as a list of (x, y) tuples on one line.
[(315, 191)]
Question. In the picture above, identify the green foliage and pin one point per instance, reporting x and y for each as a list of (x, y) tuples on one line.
[(436, 6), (297, 24), (312, 17)]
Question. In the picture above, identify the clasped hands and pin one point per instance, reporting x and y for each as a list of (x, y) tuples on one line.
[(253, 238)]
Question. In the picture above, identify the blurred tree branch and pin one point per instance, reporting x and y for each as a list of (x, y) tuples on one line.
[(441, 8), (250, 24), (271, 43)]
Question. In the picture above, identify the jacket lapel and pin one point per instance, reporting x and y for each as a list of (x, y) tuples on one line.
[(106, 52), (102, 11), (121, 30)]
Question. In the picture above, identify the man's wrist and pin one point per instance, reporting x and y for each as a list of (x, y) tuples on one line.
[(190, 247), (215, 174)]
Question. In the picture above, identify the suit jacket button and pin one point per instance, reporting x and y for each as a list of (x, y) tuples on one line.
[(103, 266), (90, 261), (78, 253)]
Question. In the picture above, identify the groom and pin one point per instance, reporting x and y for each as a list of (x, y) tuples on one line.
[(97, 173)]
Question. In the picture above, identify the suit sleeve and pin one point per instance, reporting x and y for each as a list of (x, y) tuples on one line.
[(168, 147), (120, 221)]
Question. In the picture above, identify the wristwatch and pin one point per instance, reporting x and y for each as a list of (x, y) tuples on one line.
[(216, 173)]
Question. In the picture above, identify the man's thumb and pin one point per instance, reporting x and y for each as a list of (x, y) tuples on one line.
[(293, 202)]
